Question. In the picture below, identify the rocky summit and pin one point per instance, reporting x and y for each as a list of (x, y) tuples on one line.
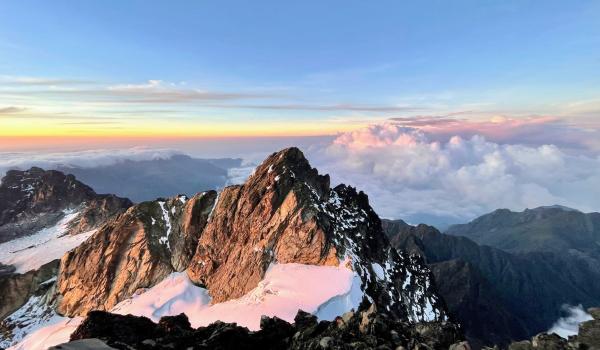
[(285, 213)]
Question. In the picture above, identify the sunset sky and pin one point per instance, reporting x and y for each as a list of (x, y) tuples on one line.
[(78, 71)]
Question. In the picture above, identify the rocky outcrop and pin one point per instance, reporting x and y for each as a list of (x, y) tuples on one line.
[(15, 289), (33, 199), (368, 329), (135, 250), (269, 218)]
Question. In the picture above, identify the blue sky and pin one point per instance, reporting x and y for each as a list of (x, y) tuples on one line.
[(287, 62)]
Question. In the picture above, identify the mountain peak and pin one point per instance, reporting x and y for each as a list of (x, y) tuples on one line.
[(286, 213), (288, 166), (36, 198), (555, 207)]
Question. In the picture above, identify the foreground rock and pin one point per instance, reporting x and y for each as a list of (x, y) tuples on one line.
[(361, 330)]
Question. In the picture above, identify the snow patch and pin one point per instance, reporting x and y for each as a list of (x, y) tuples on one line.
[(55, 333), (30, 252), (167, 221), (332, 292), (341, 304), (378, 271)]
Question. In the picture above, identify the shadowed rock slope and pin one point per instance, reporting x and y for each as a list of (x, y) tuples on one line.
[(33, 199), (495, 295)]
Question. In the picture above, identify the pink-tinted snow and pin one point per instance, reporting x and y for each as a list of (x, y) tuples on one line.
[(326, 291), (285, 289)]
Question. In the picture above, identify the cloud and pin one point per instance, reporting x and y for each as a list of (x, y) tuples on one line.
[(36, 81), (11, 110), (569, 325), (349, 107), (84, 159), (532, 130), (158, 92), (153, 92), (412, 174)]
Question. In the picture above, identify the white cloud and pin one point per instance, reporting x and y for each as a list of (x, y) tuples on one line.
[(569, 325), (85, 159), (409, 174)]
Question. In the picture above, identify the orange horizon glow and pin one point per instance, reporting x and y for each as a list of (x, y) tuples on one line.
[(164, 130)]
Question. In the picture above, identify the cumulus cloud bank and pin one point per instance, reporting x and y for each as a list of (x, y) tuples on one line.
[(569, 325), (414, 174)]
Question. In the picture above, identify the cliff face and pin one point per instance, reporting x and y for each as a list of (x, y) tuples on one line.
[(135, 250), (285, 213), (269, 218), (15, 289)]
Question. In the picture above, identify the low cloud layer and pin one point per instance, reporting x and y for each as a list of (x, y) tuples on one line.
[(569, 325), (84, 159), (414, 174)]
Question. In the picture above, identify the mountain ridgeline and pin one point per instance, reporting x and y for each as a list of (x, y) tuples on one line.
[(285, 213)]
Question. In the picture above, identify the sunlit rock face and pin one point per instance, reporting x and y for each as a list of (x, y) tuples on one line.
[(135, 250)]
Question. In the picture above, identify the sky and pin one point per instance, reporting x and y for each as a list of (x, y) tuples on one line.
[(439, 110), (206, 69)]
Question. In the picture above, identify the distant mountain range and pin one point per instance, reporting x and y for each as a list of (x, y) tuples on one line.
[(143, 180), (506, 274)]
